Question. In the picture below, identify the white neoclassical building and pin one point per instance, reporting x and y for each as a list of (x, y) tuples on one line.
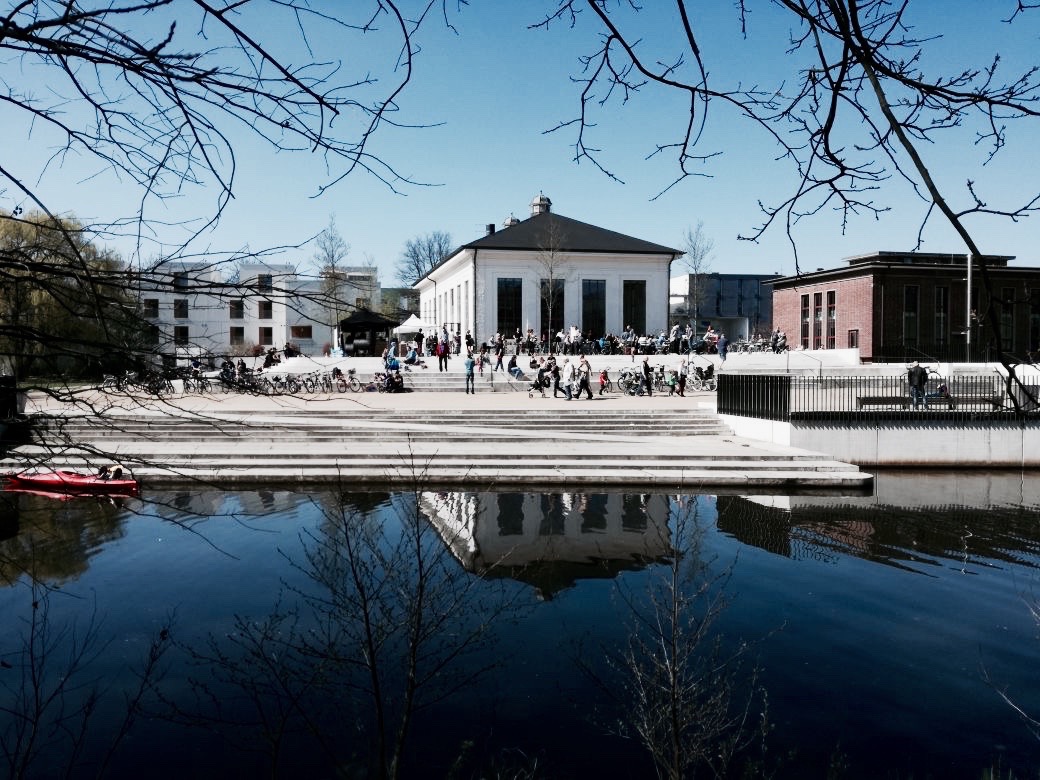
[(511, 279)]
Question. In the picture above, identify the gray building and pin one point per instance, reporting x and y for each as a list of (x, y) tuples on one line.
[(740, 305)]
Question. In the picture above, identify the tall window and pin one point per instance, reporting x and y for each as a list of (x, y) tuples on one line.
[(510, 306), (942, 315), (152, 335), (180, 308), (1007, 318), (180, 335), (1034, 320), (817, 342), (832, 318), (237, 309), (266, 337), (594, 306), (265, 310), (803, 336), (264, 282), (151, 308), (633, 304), (238, 337), (911, 307), (556, 298)]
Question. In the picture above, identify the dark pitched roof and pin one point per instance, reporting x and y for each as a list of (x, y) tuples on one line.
[(570, 235)]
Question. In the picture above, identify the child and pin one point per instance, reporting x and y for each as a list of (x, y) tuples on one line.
[(602, 381), (673, 381)]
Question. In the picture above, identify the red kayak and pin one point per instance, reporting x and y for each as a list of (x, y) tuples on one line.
[(71, 482)]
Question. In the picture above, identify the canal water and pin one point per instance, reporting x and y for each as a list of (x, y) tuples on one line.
[(891, 635)]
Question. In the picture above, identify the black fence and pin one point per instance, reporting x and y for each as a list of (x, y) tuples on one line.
[(789, 397)]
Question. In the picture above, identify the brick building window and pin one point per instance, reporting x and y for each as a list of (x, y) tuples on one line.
[(942, 315), (832, 318), (911, 308), (1007, 318), (265, 310), (853, 340), (180, 308), (804, 335), (817, 342)]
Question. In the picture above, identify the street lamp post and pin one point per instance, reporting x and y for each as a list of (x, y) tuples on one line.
[(967, 315)]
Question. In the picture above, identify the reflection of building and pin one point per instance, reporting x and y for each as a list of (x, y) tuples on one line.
[(551, 540), (913, 521)]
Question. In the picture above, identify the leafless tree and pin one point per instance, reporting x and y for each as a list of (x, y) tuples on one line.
[(687, 697), (698, 258), (163, 98), (421, 254), (554, 266), (856, 112), (387, 624)]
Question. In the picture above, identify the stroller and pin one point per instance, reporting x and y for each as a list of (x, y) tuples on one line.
[(540, 383), (704, 378)]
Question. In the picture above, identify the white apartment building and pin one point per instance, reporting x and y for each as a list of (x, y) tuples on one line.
[(197, 309)]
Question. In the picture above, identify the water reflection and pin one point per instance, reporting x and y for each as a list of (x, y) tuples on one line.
[(914, 521), (551, 540)]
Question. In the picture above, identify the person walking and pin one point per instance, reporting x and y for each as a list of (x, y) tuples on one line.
[(468, 364), (584, 377), (567, 379), (722, 345)]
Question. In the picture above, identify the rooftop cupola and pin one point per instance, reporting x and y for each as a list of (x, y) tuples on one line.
[(540, 205), (510, 221)]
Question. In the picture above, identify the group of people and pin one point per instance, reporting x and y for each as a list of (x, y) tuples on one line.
[(567, 379)]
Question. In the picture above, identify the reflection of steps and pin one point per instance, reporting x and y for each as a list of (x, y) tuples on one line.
[(637, 447)]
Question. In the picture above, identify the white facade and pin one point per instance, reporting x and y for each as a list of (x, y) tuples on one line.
[(465, 288), (197, 312)]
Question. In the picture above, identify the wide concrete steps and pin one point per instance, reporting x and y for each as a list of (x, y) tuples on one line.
[(528, 447)]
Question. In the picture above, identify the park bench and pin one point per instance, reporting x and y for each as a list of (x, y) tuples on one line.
[(949, 401)]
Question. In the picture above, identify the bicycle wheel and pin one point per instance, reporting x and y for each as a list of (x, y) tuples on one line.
[(355, 384), (711, 384), (341, 385), (310, 384), (326, 384), (226, 386), (292, 386)]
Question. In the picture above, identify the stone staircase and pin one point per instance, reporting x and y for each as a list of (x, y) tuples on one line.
[(525, 448)]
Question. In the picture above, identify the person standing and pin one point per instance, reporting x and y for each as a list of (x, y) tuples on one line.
[(722, 345), (684, 368), (469, 364), (917, 378), (442, 355), (648, 376), (584, 377), (420, 340), (500, 351)]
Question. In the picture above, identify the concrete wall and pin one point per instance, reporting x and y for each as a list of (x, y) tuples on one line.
[(958, 444)]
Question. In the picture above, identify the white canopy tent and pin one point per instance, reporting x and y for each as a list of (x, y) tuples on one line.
[(413, 325)]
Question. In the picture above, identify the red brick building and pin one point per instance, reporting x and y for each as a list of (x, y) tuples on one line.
[(906, 305)]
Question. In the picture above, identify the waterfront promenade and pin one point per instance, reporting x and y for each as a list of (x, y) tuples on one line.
[(493, 438)]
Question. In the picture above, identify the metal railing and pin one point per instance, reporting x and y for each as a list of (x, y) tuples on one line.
[(788, 397)]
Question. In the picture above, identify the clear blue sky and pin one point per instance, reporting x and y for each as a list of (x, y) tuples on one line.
[(495, 86)]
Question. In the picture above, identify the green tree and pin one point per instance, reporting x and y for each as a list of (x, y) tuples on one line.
[(65, 305)]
